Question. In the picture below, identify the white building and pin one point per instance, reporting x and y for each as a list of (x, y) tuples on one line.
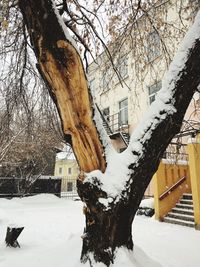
[(140, 63)]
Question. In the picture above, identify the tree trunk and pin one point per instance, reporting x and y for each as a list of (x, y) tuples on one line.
[(105, 229), (11, 236), (107, 226), (62, 70)]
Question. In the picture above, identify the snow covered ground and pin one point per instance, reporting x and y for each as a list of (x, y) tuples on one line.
[(53, 227)]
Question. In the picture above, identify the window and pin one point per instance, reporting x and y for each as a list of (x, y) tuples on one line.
[(123, 66), (153, 91), (60, 170), (69, 170), (123, 112), (106, 114), (106, 79), (153, 46), (69, 186), (92, 85)]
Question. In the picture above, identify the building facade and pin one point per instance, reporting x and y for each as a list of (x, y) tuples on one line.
[(125, 88), (68, 170)]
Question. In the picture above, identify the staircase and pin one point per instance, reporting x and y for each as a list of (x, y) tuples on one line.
[(182, 213), (107, 127), (112, 133)]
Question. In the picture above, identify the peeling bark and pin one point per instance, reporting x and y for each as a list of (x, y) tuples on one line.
[(61, 67)]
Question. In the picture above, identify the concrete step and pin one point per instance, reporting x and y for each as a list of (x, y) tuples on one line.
[(186, 201), (187, 196), (184, 206), (179, 222), (183, 211), (183, 217)]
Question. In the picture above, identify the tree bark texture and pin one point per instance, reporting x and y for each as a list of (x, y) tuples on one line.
[(11, 236), (105, 230), (60, 66)]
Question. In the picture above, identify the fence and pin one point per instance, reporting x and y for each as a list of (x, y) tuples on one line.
[(19, 187), (68, 187)]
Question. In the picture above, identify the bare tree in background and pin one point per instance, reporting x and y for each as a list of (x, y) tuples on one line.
[(109, 212), (30, 132)]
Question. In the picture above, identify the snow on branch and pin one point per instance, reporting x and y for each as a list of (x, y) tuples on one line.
[(97, 118), (117, 175), (64, 27), (108, 147), (164, 103)]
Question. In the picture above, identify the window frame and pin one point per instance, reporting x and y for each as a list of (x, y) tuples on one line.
[(60, 170), (106, 116), (69, 186), (123, 66), (152, 94), (123, 110), (153, 46), (92, 84), (69, 171), (106, 79)]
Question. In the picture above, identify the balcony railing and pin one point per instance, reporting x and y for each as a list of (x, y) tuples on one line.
[(115, 123), (115, 127)]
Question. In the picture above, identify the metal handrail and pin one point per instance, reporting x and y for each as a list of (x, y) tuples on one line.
[(172, 188), (112, 123), (104, 119)]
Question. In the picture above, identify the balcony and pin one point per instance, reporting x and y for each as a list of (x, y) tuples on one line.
[(116, 126)]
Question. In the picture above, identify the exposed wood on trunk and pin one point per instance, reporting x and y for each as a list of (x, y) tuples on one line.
[(62, 69)]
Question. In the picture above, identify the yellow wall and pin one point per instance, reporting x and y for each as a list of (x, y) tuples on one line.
[(166, 176), (65, 165), (194, 161), (62, 169)]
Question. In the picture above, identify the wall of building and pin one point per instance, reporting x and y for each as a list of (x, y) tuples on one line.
[(166, 177), (142, 72), (194, 160), (67, 169)]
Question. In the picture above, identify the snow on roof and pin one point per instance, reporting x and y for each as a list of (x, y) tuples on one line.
[(65, 155)]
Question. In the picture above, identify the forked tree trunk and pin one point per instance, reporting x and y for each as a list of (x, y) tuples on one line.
[(107, 227)]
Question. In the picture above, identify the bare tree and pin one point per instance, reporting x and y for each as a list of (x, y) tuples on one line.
[(111, 195), (28, 120)]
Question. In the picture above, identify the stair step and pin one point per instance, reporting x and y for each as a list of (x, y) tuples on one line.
[(184, 206), (180, 222), (183, 211), (187, 196), (179, 216), (126, 137), (186, 201)]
